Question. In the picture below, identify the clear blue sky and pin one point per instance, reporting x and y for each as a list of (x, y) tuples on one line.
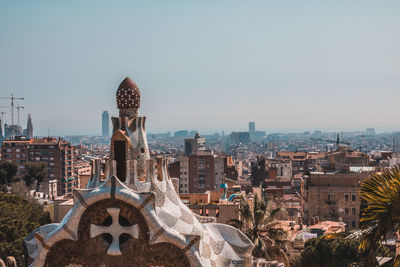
[(206, 65)]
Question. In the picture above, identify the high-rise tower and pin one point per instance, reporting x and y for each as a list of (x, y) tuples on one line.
[(105, 119), (252, 131)]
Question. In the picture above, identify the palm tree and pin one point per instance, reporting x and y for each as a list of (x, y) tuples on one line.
[(381, 214), (260, 225)]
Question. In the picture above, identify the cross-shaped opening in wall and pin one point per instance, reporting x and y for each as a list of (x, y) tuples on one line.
[(116, 228)]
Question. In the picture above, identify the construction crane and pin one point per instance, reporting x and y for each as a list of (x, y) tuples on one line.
[(2, 122), (18, 108), (2, 113), (12, 105)]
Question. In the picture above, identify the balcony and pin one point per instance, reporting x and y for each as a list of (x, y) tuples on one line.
[(330, 202)]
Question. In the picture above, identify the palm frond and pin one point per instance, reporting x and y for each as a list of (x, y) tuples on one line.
[(259, 224), (381, 192)]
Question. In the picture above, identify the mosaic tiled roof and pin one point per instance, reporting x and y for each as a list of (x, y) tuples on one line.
[(128, 94)]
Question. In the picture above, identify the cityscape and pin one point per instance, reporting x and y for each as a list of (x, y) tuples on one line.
[(315, 176), (171, 135)]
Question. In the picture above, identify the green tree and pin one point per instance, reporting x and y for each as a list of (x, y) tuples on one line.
[(8, 170), (337, 250), (333, 252), (18, 217), (381, 213), (259, 223), (19, 188), (34, 171)]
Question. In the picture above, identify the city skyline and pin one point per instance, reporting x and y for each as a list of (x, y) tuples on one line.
[(204, 66), (204, 131)]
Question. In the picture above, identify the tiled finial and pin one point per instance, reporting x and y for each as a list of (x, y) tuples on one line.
[(128, 98)]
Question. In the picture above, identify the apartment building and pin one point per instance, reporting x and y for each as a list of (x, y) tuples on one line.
[(334, 196), (58, 154)]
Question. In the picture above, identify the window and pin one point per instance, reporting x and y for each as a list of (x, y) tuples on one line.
[(353, 223), (346, 211), (353, 197), (346, 197), (353, 210)]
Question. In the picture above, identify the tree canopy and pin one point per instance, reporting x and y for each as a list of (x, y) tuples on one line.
[(336, 251), (18, 217), (34, 171), (8, 170)]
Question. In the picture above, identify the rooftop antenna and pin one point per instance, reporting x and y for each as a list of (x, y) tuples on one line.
[(12, 105)]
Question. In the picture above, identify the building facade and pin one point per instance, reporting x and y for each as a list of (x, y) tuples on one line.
[(240, 138), (194, 144), (201, 172), (58, 154), (344, 157), (335, 197)]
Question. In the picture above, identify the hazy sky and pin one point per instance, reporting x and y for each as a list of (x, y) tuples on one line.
[(205, 65)]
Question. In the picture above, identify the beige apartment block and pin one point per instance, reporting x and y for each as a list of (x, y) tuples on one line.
[(335, 197)]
